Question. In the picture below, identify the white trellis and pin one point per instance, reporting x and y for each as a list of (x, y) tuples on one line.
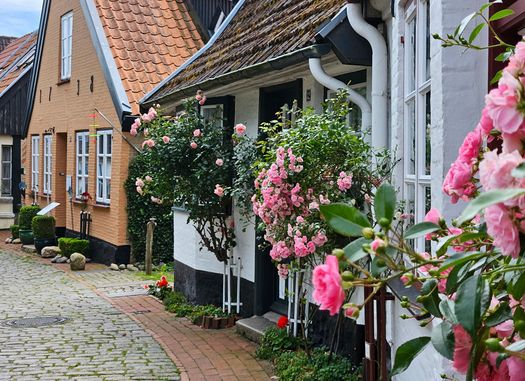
[(232, 270), (294, 301)]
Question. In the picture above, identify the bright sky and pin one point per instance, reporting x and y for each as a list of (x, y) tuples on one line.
[(19, 16)]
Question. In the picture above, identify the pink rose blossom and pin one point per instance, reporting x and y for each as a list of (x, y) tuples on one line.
[(240, 129), (150, 143), (139, 182), (140, 191), (282, 270), (148, 179), (495, 171), (405, 279), (219, 191), (352, 312), (462, 346), (469, 150), (193, 145), (344, 182), (458, 182), (137, 122), (203, 100), (219, 162), (133, 131), (166, 139), (377, 243), (146, 118), (485, 123), (328, 291), (501, 228), (197, 133), (502, 105), (152, 113), (433, 216)]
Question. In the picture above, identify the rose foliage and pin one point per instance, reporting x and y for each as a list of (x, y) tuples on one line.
[(473, 282)]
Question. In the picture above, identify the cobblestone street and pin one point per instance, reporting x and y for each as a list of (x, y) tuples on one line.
[(98, 342)]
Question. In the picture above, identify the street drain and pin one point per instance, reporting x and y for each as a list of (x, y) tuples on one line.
[(40, 321), (140, 312)]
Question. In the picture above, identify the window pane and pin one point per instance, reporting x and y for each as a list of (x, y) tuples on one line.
[(428, 145), (427, 40), (410, 151), (100, 187), (410, 203), (411, 54), (109, 138)]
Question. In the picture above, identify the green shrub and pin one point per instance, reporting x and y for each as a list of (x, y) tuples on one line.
[(140, 210), (43, 227), (174, 297), (206, 310), (69, 246), (15, 229), (26, 216), (274, 341), (319, 366)]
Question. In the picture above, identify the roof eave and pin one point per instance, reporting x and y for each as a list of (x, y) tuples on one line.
[(277, 63), (12, 84), (105, 57)]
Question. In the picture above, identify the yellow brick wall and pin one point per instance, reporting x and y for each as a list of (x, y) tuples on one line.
[(58, 108)]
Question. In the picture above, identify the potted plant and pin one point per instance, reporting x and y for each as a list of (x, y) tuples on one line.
[(26, 217), (44, 232), (15, 229)]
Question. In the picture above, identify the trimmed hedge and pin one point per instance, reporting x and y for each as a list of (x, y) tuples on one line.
[(15, 229), (69, 246), (27, 213), (140, 210), (43, 227)]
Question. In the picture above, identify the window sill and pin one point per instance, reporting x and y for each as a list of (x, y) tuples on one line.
[(63, 81), (100, 205)]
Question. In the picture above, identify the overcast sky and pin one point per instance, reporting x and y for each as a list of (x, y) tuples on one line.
[(19, 16)]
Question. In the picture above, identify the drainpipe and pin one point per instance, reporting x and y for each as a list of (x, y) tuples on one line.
[(334, 84), (379, 72)]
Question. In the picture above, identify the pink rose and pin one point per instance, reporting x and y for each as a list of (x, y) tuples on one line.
[(137, 122), (502, 105), (152, 113), (197, 133), (458, 182), (352, 312), (150, 143), (344, 182), (495, 171), (203, 100), (146, 118), (405, 279), (156, 200), (133, 131), (219, 162), (501, 228), (166, 139), (193, 145), (377, 243), (240, 129), (469, 150), (462, 346), (433, 216), (148, 179), (219, 191), (139, 182), (140, 191), (328, 291)]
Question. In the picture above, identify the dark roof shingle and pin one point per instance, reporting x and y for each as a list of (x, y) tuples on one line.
[(260, 31), (5, 41), (11, 64)]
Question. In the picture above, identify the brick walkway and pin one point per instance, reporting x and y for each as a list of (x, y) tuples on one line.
[(198, 354)]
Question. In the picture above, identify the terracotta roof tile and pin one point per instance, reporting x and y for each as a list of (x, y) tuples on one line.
[(5, 41), (11, 63), (149, 39)]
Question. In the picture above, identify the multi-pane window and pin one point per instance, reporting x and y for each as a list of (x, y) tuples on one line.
[(354, 118), (82, 163), (212, 113), (35, 158), (48, 162), (7, 168), (417, 109), (104, 149), (66, 45)]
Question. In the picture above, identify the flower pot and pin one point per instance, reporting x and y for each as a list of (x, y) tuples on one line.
[(40, 243), (26, 236)]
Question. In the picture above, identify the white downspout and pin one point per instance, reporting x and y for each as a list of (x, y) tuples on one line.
[(379, 73), (334, 84)]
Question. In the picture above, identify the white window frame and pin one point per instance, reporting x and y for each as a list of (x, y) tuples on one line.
[(7, 177), (352, 120), (66, 45), (103, 163), (416, 121), (82, 163), (48, 163), (214, 107), (35, 158)]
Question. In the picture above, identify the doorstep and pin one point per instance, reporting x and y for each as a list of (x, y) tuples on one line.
[(253, 328)]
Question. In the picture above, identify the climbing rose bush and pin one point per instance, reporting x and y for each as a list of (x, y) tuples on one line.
[(473, 282)]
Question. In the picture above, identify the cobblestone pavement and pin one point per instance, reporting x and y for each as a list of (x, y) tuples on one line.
[(99, 342)]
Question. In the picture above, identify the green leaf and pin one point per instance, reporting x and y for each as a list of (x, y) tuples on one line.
[(487, 199), (496, 77), (406, 353), (456, 276), (447, 310), (475, 32), (345, 219), (519, 171), (517, 346), (501, 14), (461, 27), (517, 288), (430, 297), (420, 229), (472, 300), (503, 313), (443, 339), (376, 269), (385, 202), (354, 250), (460, 258)]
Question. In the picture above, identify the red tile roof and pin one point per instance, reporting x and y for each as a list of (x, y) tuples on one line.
[(149, 39), (5, 41), (10, 65), (259, 31)]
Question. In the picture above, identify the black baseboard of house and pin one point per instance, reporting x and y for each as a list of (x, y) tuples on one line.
[(103, 252), (203, 287)]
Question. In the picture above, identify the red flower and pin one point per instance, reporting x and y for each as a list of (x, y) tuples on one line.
[(282, 322)]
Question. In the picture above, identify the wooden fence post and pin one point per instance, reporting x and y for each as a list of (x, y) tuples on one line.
[(149, 245)]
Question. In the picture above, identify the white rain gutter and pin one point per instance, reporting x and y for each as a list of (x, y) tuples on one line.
[(334, 84), (379, 73)]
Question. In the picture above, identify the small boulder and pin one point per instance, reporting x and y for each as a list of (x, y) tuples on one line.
[(54, 260), (122, 266), (50, 252), (130, 267), (77, 262), (16, 241), (61, 259), (8, 240), (114, 267)]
